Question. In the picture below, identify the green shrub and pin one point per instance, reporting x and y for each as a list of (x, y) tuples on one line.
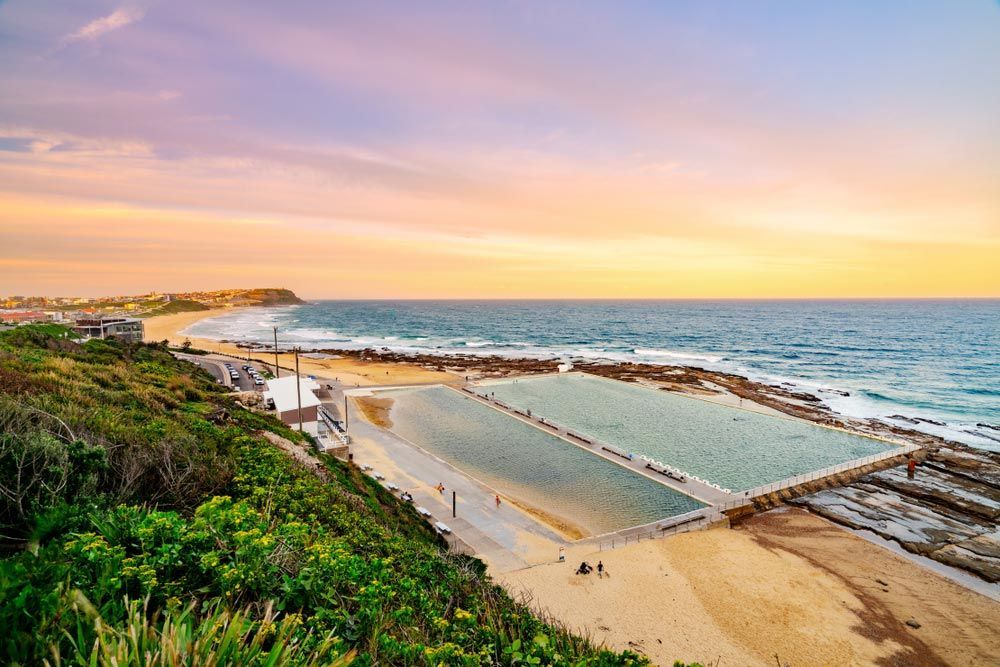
[(180, 637), (151, 484)]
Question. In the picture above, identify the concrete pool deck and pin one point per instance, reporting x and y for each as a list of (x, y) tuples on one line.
[(691, 487), (510, 538)]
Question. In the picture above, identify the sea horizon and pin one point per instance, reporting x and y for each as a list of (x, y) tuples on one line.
[(655, 299)]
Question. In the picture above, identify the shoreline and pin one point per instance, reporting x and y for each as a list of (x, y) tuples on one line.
[(955, 472), (788, 390), (344, 369)]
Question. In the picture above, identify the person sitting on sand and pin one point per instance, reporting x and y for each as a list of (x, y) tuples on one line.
[(584, 568)]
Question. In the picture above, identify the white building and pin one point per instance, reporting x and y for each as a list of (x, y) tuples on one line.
[(286, 402), (128, 329)]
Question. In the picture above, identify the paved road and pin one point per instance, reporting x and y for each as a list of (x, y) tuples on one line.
[(214, 368), (215, 365)]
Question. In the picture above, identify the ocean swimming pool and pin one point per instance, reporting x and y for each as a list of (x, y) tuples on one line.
[(529, 464), (734, 448)]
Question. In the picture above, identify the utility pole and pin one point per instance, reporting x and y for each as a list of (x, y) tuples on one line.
[(298, 387), (346, 425), (453, 514), (277, 373)]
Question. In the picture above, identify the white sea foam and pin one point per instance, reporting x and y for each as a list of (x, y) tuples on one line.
[(256, 325), (671, 354)]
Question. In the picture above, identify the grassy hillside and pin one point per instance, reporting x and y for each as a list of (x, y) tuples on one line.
[(147, 521), (273, 296), (176, 306)]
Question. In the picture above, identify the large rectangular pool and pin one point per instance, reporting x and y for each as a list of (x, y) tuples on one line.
[(737, 449), (529, 464)]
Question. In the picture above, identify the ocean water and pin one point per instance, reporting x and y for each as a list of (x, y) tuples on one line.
[(736, 449), (530, 464), (934, 361)]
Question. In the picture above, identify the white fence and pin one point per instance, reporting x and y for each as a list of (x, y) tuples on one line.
[(681, 523), (764, 489), (334, 426)]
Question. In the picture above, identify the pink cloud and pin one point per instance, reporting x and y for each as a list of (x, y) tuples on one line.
[(101, 26)]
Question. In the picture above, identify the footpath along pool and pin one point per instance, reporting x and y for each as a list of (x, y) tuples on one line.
[(736, 449), (529, 464)]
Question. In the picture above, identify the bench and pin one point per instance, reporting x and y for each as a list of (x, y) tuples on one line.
[(667, 473)]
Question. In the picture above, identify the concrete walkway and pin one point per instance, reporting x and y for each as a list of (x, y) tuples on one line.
[(690, 487), (505, 537)]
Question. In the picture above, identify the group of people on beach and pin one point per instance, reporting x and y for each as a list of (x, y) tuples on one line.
[(585, 568)]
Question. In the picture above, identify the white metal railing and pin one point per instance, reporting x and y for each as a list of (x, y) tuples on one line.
[(681, 523), (334, 426), (764, 489)]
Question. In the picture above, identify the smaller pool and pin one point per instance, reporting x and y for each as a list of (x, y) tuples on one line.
[(734, 448), (529, 464)]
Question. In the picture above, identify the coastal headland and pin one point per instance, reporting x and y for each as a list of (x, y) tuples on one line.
[(789, 584)]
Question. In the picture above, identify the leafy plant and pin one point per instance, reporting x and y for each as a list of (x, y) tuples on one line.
[(127, 475), (214, 637)]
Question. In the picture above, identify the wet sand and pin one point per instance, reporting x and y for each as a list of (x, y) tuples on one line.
[(563, 526), (375, 410)]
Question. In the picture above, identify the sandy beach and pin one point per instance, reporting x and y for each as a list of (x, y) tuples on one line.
[(785, 584), (347, 370)]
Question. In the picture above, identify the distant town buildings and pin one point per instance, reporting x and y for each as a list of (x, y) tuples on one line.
[(128, 329), (148, 304), (22, 316)]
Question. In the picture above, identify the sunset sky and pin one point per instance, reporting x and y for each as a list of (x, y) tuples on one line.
[(505, 149)]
